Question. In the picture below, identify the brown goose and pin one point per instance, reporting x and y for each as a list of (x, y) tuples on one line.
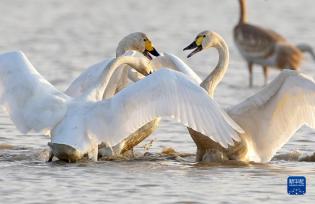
[(264, 47)]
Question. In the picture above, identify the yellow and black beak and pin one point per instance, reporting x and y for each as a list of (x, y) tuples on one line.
[(196, 44), (150, 50)]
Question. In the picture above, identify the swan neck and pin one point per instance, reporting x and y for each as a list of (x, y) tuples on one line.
[(243, 14), (96, 93), (112, 66), (214, 78)]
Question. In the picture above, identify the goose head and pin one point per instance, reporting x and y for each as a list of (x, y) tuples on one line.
[(139, 42), (203, 40)]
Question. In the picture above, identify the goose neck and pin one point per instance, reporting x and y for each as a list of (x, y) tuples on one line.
[(243, 13)]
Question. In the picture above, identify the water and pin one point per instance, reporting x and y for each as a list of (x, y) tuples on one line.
[(62, 38)]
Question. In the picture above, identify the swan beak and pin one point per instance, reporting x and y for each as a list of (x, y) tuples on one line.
[(193, 45), (154, 52), (150, 52), (149, 49)]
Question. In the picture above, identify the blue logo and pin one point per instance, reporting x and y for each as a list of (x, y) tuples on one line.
[(296, 185)]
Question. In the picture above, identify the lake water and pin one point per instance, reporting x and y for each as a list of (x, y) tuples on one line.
[(62, 38)]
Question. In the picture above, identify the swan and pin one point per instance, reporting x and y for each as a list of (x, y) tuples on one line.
[(78, 125), (130, 45), (265, 47), (269, 118)]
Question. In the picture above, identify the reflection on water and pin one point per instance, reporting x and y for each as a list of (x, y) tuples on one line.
[(61, 38)]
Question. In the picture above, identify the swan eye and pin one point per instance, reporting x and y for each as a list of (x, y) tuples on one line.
[(204, 36), (144, 40)]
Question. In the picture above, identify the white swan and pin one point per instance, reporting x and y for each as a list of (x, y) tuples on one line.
[(128, 46), (269, 118), (78, 125), (268, 122)]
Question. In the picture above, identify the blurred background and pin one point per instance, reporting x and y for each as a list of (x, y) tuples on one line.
[(62, 38)]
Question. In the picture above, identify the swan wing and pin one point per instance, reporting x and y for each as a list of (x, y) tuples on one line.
[(274, 114), (31, 101), (163, 93)]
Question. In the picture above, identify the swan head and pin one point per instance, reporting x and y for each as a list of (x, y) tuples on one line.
[(143, 66), (203, 40), (139, 42)]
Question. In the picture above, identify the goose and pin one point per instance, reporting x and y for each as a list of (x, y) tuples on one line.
[(269, 118), (265, 47), (130, 45), (77, 125)]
